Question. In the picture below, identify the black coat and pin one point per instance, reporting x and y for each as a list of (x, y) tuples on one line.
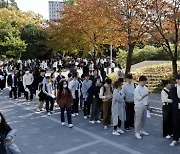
[(9, 80), (173, 95)]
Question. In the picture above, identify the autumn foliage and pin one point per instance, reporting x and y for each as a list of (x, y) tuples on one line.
[(90, 24)]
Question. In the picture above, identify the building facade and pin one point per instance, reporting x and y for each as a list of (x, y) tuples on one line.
[(54, 9)]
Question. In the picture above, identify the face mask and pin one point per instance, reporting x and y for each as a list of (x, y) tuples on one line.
[(65, 86)]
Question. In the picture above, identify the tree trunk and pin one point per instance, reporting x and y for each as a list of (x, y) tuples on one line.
[(174, 65), (94, 57), (129, 57)]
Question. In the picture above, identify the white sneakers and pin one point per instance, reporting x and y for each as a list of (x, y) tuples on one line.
[(85, 117), (48, 113), (168, 136), (173, 143), (120, 131), (76, 114), (70, 125), (115, 133), (73, 115), (92, 122), (144, 133), (138, 136), (98, 121), (105, 127)]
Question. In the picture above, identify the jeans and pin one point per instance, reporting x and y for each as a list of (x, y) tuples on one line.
[(31, 92), (86, 108), (75, 106), (129, 115), (14, 90), (51, 101), (68, 110), (95, 110)]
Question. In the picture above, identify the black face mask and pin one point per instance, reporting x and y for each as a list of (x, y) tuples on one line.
[(108, 82)]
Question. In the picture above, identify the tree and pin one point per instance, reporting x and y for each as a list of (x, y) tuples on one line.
[(10, 42), (8, 3), (11, 23), (34, 37), (164, 26), (82, 27), (129, 17)]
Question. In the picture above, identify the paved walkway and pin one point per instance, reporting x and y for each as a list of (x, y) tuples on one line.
[(39, 134)]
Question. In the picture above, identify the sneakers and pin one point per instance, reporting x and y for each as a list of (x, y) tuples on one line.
[(173, 143), (127, 129), (168, 136), (38, 110), (73, 115), (120, 131), (85, 117), (138, 136), (105, 127), (70, 125), (48, 114), (76, 114), (144, 133), (92, 122), (115, 133), (63, 123), (98, 121)]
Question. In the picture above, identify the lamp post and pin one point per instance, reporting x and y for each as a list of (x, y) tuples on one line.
[(111, 53)]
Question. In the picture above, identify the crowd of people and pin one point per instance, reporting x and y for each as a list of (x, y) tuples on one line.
[(120, 104)]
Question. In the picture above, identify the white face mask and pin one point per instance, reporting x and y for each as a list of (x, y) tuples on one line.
[(27, 72), (65, 86)]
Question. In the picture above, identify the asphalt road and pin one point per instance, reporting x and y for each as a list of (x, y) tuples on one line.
[(41, 134)]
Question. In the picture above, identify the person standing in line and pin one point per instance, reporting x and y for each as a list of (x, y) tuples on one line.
[(12, 84), (112, 66), (20, 83), (128, 93), (167, 110), (95, 75), (3, 75), (1, 78), (41, 81), (106, 96), (65, 101), (118, 109), (59, 77), (175, 96), (75, 90), (141, 94), (49, 95), (85, 86), (93, 97), (27, 83), (120, 74)]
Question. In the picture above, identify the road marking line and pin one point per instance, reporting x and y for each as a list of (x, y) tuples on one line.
[(79, 147)]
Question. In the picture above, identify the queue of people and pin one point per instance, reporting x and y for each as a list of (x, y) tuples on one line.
[(121, 105)]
